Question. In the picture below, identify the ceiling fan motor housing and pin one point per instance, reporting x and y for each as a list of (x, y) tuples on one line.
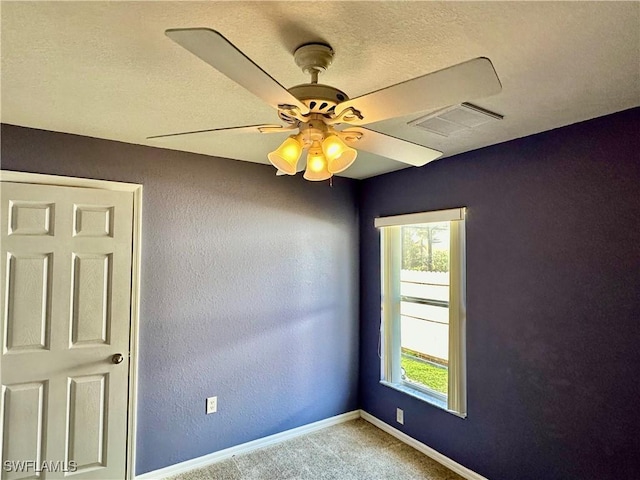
[(314, 58), (319, 98)]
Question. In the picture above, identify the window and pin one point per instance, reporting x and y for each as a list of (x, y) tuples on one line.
[(423, 306)]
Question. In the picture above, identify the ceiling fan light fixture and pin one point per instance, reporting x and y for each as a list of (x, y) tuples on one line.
[(314, 109), (316, 170), (339, 155), (285, 157)]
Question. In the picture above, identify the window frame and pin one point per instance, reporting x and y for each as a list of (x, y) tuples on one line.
[(390, 227)]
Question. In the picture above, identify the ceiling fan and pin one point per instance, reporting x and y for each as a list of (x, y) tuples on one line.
[(324, 120)]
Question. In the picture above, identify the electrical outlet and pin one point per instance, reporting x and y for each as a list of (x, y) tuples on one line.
[(212, 405), (400, 416)]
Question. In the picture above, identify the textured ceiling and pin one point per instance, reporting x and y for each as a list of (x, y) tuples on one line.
[(106, 69)]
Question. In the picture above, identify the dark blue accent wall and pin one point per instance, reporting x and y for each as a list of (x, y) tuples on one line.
[(249, 291), (553, 288)]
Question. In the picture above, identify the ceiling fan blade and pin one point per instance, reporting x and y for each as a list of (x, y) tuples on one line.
[(468, 80), (247, 128), (388, 146), (221, 54)]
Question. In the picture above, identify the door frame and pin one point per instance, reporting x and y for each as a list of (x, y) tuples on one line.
[(136, 256)]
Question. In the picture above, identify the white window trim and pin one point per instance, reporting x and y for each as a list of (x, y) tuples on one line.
[(422, 217), (391, 261)]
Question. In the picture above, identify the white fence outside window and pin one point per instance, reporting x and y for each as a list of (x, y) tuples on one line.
[(425, 326)]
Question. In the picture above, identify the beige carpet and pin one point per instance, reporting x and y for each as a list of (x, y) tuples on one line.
[(354, 450)]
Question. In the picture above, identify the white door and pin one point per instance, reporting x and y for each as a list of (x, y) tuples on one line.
[(65, 312)]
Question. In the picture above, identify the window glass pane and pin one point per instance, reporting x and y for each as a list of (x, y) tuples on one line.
[(424, 307)]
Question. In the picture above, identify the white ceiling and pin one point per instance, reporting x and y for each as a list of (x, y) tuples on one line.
[(106, 69)]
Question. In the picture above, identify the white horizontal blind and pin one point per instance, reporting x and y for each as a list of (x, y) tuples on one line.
[(423, 217)]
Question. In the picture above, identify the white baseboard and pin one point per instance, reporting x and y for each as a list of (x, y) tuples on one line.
[(246, 447), (421, 447), (303, 430)]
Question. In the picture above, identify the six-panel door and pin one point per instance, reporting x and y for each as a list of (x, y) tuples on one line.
[(65, 311)]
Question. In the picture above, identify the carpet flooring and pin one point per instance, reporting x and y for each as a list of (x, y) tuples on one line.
[(354, 450)]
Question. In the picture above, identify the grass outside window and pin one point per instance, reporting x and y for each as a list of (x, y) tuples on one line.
[(425, 373)]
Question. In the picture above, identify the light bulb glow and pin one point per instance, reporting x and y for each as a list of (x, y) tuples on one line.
[(339, 155), (290, 152), (332, 150), (285, 157), (316, 164)]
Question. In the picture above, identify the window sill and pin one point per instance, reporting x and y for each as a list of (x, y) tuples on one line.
[(420, 395)]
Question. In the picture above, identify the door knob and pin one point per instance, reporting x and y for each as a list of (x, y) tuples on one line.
[(117, 358)]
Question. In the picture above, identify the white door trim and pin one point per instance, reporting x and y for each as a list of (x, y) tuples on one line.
[(136, 189)]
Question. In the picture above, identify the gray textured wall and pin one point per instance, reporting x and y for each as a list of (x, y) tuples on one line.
[(249, 291)]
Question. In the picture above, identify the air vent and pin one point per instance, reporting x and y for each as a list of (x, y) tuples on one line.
[(455, 119)]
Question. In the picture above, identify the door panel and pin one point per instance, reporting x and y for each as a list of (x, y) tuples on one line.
[(91, 291), (24, 419), (27, 311), (30, 218), (86, 432), (93, 221), (66, 306)]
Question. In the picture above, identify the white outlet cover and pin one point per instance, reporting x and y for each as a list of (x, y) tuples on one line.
[(212, 405), (400, 416)]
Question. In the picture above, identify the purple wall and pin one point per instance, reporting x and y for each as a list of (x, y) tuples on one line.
[(553, 287), (250, 288), (249, 291)]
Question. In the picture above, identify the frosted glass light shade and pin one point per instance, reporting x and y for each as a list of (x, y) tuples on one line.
[(316, 165), (285, 157), (339, 155)]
